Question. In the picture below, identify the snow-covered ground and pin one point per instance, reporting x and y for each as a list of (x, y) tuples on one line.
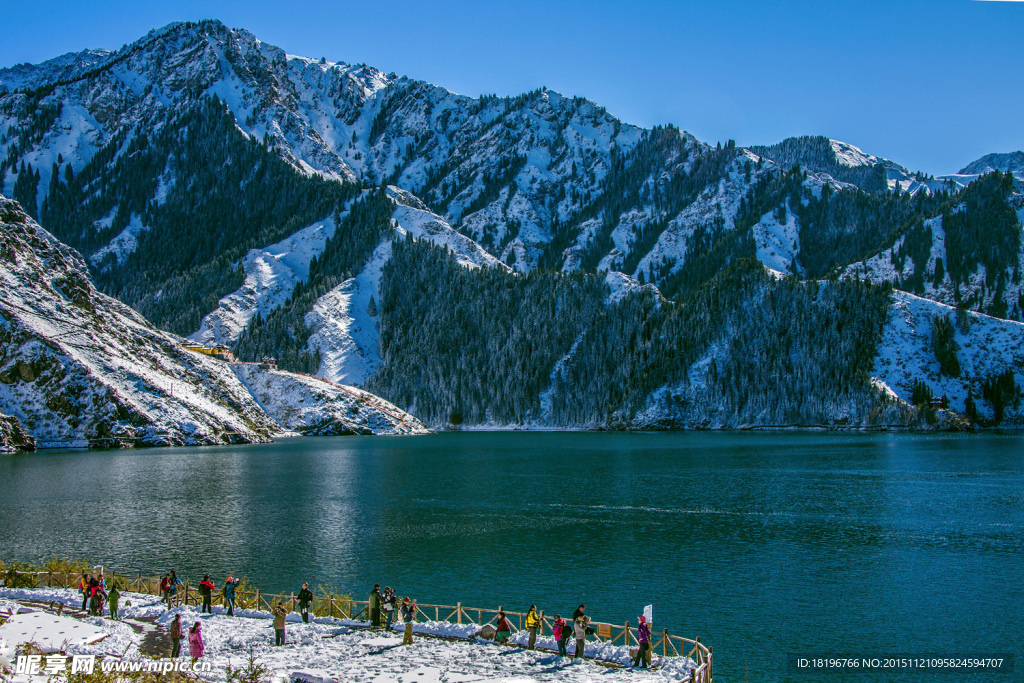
[(338, 650)]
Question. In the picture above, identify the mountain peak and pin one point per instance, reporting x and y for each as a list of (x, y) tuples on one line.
[(1009, 161)]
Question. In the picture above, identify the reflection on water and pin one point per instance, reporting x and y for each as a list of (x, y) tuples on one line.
[(760, 543)]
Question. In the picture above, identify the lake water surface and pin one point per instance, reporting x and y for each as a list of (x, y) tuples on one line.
[(763, 544)]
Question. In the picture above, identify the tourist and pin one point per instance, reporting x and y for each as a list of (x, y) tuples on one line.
[(375, 600), (579, 612), (112, 599), (409, 617), (172, 587), (195, 642), (83, 587), (579, 627), (532, 623), (229, 594), (165, 585), (560, 630), (94, 587), (503, 628), (280, 615), (305, 598), (206, 587), (643, 639), (176, 637), (97, 599), (390, 603)]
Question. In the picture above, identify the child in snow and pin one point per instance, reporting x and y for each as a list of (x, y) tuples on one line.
[(503, 628), (195, 642), (176, 636), (280, 614), (305, 598), (165, 585)]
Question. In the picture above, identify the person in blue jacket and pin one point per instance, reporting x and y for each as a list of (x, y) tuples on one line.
[(229, 594)]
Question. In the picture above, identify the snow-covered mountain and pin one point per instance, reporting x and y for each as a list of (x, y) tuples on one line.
[(1012, 162), (78, 367), (222, 188)]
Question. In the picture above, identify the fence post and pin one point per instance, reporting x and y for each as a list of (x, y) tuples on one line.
[(49, 579), (293, 602), (257, 599), (540, 627), (330, 607), (458, 612), (664, 642), (693, 676), (711, 663)]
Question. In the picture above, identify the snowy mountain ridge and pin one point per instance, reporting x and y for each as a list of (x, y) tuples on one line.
[(534, 183), (80, 368)]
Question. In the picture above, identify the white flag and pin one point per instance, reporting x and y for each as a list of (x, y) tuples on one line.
[(647, 614)]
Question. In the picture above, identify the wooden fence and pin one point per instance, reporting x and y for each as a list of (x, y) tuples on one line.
[(329, 605)]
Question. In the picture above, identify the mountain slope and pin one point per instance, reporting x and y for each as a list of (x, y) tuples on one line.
[(366, 227), (80, 368)]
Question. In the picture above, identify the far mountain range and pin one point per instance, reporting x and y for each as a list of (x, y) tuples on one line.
[(526, 261)]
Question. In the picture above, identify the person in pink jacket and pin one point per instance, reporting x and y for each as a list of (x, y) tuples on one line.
[(195, 642)]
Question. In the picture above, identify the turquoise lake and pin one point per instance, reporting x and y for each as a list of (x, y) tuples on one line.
[(763, 544)]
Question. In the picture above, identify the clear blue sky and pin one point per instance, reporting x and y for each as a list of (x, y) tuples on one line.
[(932, 84)]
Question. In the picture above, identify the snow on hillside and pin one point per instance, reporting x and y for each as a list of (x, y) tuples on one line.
[(716, 205), (330, 649), (77, 366), (343, 121), (271, 274), (848, 155), (123, 244), (344, 332), (414, 218), (778, 244), (622, 285), (880, 268), (314, 406), (1012, 162), (80, 368), (990, 347)]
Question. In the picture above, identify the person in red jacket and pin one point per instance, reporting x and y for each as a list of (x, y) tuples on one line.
[(561, 630), (503, 629), (206, 591), (165, 585), (176, 636)]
